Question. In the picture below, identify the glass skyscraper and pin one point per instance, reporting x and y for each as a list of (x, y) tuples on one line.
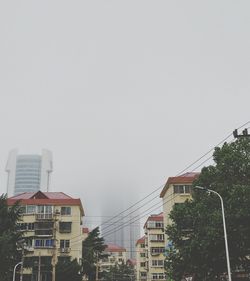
[(28, 172)]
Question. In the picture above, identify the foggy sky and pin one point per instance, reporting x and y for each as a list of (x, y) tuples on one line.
[(124, 93)]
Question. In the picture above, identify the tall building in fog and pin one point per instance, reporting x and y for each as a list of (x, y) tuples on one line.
[(123, 233), (28, 172)]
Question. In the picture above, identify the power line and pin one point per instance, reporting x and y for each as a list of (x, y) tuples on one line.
[(108, 233)]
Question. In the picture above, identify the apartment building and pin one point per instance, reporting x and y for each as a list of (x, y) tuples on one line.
[(176, 191), (51, 223), (115, 255), (155, 246), (141, 259)]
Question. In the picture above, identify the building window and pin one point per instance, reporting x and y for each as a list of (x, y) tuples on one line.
[(156, 276), (157, 250), (142, 264), (44, 209), (154, 224), (64, 244), (156, 237), (143, 274), (182, 189), (65, 211), (26, 226), (64, 259), (142, 245), (31, 209), (65, 227), (44, 243), (157, 263), (142, 255)]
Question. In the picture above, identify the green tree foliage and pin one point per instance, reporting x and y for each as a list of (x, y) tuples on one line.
[(120, 272), (92, 249), (197, 230), (10, 237), (68, 270)]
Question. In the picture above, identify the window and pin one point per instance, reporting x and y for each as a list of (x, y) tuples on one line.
[(182, 189), (26, 226), (64, 244), (64, 259), (142, 245), (157, 250), (156, 276), (142, 255), (44, 209), (44, 243), (154, 224), (65, 227), (157, 263), (66, 211), (156, 237), (142, 264), (143, 274), (31, 209), (120, 260)]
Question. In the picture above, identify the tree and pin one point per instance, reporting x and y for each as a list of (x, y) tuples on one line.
[(120, 272), (68, 270), (197, 233), (10, 237), (92, 249)]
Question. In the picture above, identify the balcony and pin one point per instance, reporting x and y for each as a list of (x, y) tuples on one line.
[(155, 254), (44, 216), (44, 232)]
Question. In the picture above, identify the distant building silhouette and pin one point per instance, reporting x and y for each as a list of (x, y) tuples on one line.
[(28, 172)]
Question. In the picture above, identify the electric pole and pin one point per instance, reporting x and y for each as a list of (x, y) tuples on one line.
[(39, 267), (54, 255)]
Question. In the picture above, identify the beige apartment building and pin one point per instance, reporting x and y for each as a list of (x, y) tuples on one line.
[(155, 243), (176, 191), (141, 258), (51, 223), (115, 255)]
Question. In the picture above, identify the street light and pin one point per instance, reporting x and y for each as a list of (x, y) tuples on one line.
[(224, 227), (14, 272)]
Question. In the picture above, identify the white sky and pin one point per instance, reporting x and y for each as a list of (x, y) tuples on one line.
[(124, 93)]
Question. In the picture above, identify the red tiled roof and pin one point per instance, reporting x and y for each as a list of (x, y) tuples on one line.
[(186, 178), (114, 248), (45, 198), (158, 217), (141, 240), (131, 262), (85, 230)]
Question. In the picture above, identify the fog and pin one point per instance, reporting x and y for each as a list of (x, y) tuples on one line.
[(124, 93)]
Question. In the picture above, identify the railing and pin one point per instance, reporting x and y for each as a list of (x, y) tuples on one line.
[(44, 232), (44, 216)]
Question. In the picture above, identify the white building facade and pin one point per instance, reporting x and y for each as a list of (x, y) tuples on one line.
[(28, 172)]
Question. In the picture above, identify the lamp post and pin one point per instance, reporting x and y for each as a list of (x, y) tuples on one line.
[(14, 272), (224, 227)]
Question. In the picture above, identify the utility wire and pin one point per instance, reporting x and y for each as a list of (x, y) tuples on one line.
[(177, 174)]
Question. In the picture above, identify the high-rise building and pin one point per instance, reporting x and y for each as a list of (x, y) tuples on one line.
[(28, 172)]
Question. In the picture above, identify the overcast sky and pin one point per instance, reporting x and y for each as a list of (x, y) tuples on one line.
[(124, 93)]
